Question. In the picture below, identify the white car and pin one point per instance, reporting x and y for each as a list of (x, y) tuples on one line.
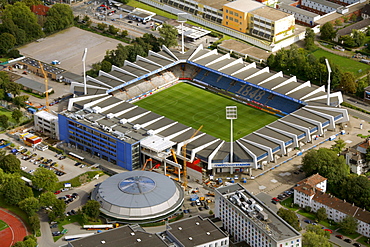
[(32, 160), (31, 171), (23, 168)]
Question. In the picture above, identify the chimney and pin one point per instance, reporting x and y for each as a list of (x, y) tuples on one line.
[(353, 204)]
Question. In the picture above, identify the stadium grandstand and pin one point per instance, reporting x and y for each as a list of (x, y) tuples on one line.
[(106, 123)]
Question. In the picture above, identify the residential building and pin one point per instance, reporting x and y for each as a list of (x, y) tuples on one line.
[(40, 9), (194, 231), (310, 192), (365, 12), (356, 158), (249, 220), (46, 123)]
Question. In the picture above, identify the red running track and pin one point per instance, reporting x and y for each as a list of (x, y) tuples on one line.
[(15, 232)]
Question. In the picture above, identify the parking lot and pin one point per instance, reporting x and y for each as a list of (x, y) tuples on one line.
[(68, 46), (66, 165)]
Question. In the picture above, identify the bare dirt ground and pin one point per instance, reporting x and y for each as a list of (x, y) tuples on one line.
[(68, 46)]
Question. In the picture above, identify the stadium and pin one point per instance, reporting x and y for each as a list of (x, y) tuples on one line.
[(149, 107), (138, 196)]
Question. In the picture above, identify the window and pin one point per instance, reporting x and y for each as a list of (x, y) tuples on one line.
[(231, 12), (227, 11)]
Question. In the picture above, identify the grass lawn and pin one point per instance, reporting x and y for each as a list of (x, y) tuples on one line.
[(75, 182), (345, 64), (288, 204), (194, 107), (3, 225), (363, 240), (307, 215), (352, 236), (137, 4), (14, 209)]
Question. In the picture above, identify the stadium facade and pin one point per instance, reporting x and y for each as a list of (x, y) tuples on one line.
[(139, 196), (104, 123)]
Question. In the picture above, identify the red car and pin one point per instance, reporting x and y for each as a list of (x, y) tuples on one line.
[(339, 236), (275, 199), (328, 230), (57, 192)]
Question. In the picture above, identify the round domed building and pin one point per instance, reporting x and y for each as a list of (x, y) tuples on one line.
[(139, 196)]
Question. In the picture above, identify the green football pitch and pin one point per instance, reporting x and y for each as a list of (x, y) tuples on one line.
[(192, 106)]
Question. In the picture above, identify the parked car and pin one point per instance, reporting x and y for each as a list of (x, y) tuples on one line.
[(328, 230), (73, 212), (307, 221), (357, 244), (74, 194), (275, 199), (274, 202), (200, 208), (296, 172), (348, 240), (77, 164), (339, 236), (23, 168), (57, 192)]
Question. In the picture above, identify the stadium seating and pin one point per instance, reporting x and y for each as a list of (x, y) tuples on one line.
[(248, 92)]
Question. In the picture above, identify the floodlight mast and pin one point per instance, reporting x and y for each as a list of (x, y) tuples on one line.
[(231, 114), (181, 17), (329, 72), (84, 69)]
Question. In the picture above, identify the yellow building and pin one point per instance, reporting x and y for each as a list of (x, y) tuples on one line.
[(257, 19), (235, 14)]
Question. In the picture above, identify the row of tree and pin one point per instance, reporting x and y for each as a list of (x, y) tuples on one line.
[(20, 26), (139, 46), (350, 187)]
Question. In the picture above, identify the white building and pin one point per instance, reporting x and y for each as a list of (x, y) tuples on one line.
[(311, 192), (356, 158), (321, 6), (248, 220), (47, 123), (300, 15)]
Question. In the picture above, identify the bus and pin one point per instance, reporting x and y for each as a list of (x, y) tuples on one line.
[(98, 227), (77, 236)]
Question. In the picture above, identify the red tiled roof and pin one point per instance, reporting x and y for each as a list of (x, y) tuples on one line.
[(313, 180), (40, 9), (365, 144), (342, 206), (305, 189)]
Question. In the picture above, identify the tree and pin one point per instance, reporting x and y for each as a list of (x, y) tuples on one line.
[(113, 30), (311, 239), (321, 214), (168, 35), (102, 26), (338, 22), (14, 53), (290, 217), (354, 17), (355, 189), (338, 146), (13, 189), (4, 121), (44, 179), (348, 225), (10, 163), (358, 37), (327, 31), (309, 39), (91, 209), (17, 114), (35, 223), (21, 22), (106, 66), (318, 230), (124, 33), (47, 199), (348, 83), (361, 85), (59, 17), (7, 42), (58, 206), (30, 3), (29, 243), (327, 163), (18, 244), (20, 100), (30, 205)]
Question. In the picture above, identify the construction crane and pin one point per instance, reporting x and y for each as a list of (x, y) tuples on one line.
[(146, 162), (46, 87), (184, 155)]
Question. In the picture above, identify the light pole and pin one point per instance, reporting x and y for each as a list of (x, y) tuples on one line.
[(231, 114), (84, 69), (329, 72), (181, 17)]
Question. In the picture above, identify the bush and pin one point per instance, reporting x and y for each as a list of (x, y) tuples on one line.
[(307, 209), (14, 53), (57, 150)]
